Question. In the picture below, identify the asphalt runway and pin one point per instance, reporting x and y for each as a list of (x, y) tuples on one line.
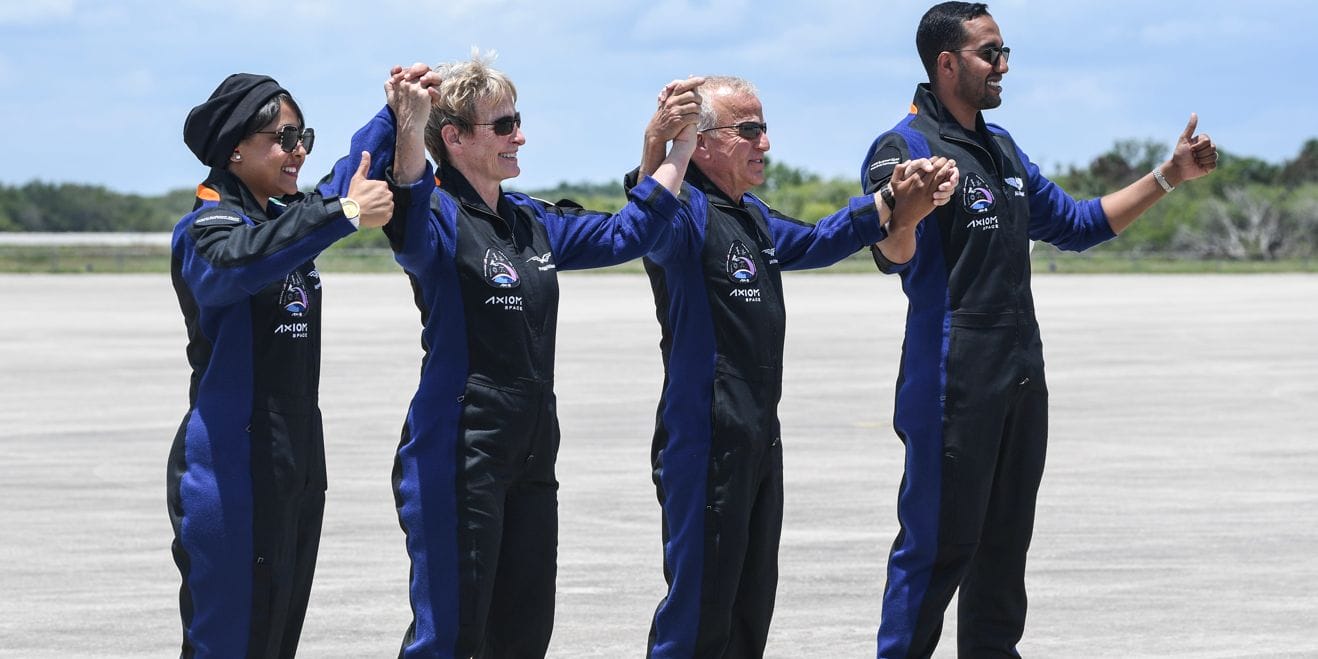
[(1178, 515)]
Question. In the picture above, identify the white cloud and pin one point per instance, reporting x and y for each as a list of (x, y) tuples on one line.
[(1094, 92), (832, 73), (31, 12), (302, 9), (687, 20), (1200, 30), (374, 19)]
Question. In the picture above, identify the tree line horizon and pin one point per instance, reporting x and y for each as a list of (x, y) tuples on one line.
[(1249, 209)]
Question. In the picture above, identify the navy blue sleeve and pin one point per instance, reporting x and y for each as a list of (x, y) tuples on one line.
[(586, 239), (226, 257), (886, 152), (801, 246), (1058, 219), (377, 137), (423, 227)]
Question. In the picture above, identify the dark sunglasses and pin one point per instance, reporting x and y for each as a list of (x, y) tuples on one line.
[(289, 136), (504, 126), (990, 54), (746, 130)]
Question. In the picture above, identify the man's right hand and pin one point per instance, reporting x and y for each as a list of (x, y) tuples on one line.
[(373, 197), (919, 186), (678, 111)]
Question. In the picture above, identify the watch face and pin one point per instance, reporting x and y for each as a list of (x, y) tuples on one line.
[(350, 208)]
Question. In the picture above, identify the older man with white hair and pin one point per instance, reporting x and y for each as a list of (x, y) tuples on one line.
[(717, 454)]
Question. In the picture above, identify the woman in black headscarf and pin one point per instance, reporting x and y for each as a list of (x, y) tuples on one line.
[(246, 478)]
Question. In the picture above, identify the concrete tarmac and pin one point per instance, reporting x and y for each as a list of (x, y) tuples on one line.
[(1178, 515)]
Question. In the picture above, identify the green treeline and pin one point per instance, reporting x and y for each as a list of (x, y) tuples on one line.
[(1247, 210), (40, 206)]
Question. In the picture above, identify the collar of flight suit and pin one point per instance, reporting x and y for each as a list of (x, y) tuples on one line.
[(225, 187)]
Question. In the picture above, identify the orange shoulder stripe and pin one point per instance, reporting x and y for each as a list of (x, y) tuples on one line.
[(207, 194)]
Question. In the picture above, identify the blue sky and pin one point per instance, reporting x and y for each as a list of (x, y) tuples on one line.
[(96, 92)]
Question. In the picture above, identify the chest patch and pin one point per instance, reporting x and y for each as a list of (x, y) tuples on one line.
[(741, 264), (296, 298), (499, 271), (976, 197)]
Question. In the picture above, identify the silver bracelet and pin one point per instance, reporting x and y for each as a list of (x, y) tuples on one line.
[(1157, 175)]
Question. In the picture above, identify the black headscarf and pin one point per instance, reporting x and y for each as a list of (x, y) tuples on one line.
[(214, 128)]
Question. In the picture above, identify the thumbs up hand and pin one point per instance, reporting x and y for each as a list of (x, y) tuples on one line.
[(373, 197), (1194, 155)]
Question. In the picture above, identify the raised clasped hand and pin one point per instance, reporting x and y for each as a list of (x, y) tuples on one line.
[(409, 91), (678, 111), (919, 186)]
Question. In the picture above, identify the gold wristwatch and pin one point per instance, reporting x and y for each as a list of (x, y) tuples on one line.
[(350, 208)]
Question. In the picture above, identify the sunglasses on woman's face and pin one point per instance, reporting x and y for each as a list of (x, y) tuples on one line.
[(289, 136), (504, 126)]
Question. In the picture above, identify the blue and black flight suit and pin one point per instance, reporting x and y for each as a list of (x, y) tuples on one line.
[(246, 478), (972, 404), (717, 452), (474, 475)]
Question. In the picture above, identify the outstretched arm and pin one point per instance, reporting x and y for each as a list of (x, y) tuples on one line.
[(1193, 157)]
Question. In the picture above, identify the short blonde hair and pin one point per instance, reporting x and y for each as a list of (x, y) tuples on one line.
[(465, 85)]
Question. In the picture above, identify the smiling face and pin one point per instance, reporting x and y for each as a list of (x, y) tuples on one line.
[(484, 157), (731, 162), (265, 168), (978, 84)]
